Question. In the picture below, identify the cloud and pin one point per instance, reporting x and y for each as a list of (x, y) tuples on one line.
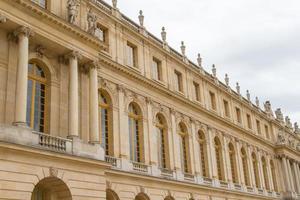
[(256, 42)]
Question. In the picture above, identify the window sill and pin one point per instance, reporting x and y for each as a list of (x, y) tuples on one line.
[(159, 82)]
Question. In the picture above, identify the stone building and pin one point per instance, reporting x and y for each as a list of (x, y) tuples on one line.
[(93, 106)]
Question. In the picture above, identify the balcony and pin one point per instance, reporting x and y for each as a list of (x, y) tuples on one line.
[(223, 184), (112, 160), (237, 187), (166, 173), (54, 143), (140, 167), (207, 181), (189, 177)]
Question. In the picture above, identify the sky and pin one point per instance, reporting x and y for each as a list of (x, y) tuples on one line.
[(256, 42)]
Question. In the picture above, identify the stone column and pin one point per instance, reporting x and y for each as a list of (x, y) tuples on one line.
[(239, 165), (290, 175), (260, 171), (250, 168), (73, 94), (271, 183), (297, 178), (23, 34), (196, 150), (286, 174), (192, 140), (210, 147), (298, 175), (226, 161), (93, 103)]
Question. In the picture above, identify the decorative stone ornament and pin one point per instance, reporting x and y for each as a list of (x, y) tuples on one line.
[(2, 19), (182, 47), (114, 4), (23, 30), (279, 115), (248, 95), (199, 61), (53, 172), (164, 38), (214, 71), (280, 138), (238, 88), (296, 128), (72, 6), (257, 101), (268, 108), (40, 51), (91, 20), (141, 18), (288, 122), (227, 80)]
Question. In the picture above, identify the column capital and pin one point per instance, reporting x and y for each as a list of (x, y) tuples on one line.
[(23, 30), (73, 55), (93, 64)]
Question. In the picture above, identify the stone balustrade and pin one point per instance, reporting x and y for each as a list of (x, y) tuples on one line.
[(53, 143), (140, 167)]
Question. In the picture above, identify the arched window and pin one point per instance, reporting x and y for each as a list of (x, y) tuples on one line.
[(232, 158), (36, 112), (141, 196), (219, 158), (111, 195), (245, 166), (255, 170), (265, 173), (273, 175), (105, 116), (203, 153), (135, 133), (161, 130), (184, 147)]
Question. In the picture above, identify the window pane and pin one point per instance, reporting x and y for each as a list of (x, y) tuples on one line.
[(29, 102)]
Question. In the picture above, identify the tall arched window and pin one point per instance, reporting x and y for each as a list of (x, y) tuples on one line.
[(265, 173), (105, 116), (184, 147), (36, 98), (219, 158), (135, 133), (161, 130), (273, 175), (255, 170), (245, 166), (232, 158), (111, 195), (203, 153)]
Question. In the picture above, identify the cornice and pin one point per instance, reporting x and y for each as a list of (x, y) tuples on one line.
[(32, 9)]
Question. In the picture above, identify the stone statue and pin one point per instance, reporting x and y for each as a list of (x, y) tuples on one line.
[(248, 95), (91, 19), (257, 101), (72, 10), (238, 88), (114, 3), (141, 18), (214, 70), (281, 138), (182, 47), (227, 80), (199, 60), (296, 127), (279, 115), (268, 108), (288, 122), (291, 142)]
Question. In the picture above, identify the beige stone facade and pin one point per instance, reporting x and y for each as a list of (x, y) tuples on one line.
[(92, 106)]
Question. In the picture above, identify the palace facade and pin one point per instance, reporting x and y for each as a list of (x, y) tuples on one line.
[(93, 106)]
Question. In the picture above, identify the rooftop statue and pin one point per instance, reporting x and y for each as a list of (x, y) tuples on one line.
[(288, 122), (279, 115), (268, 108)]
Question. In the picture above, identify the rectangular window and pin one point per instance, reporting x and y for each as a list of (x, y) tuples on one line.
[(196, 91), (249, 123), (178, 81), (213, 104), (226, 108), (238, 115), (41, 3), (156, 69), (267, 132), (258, 127), (101, 33), (131, 55)]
